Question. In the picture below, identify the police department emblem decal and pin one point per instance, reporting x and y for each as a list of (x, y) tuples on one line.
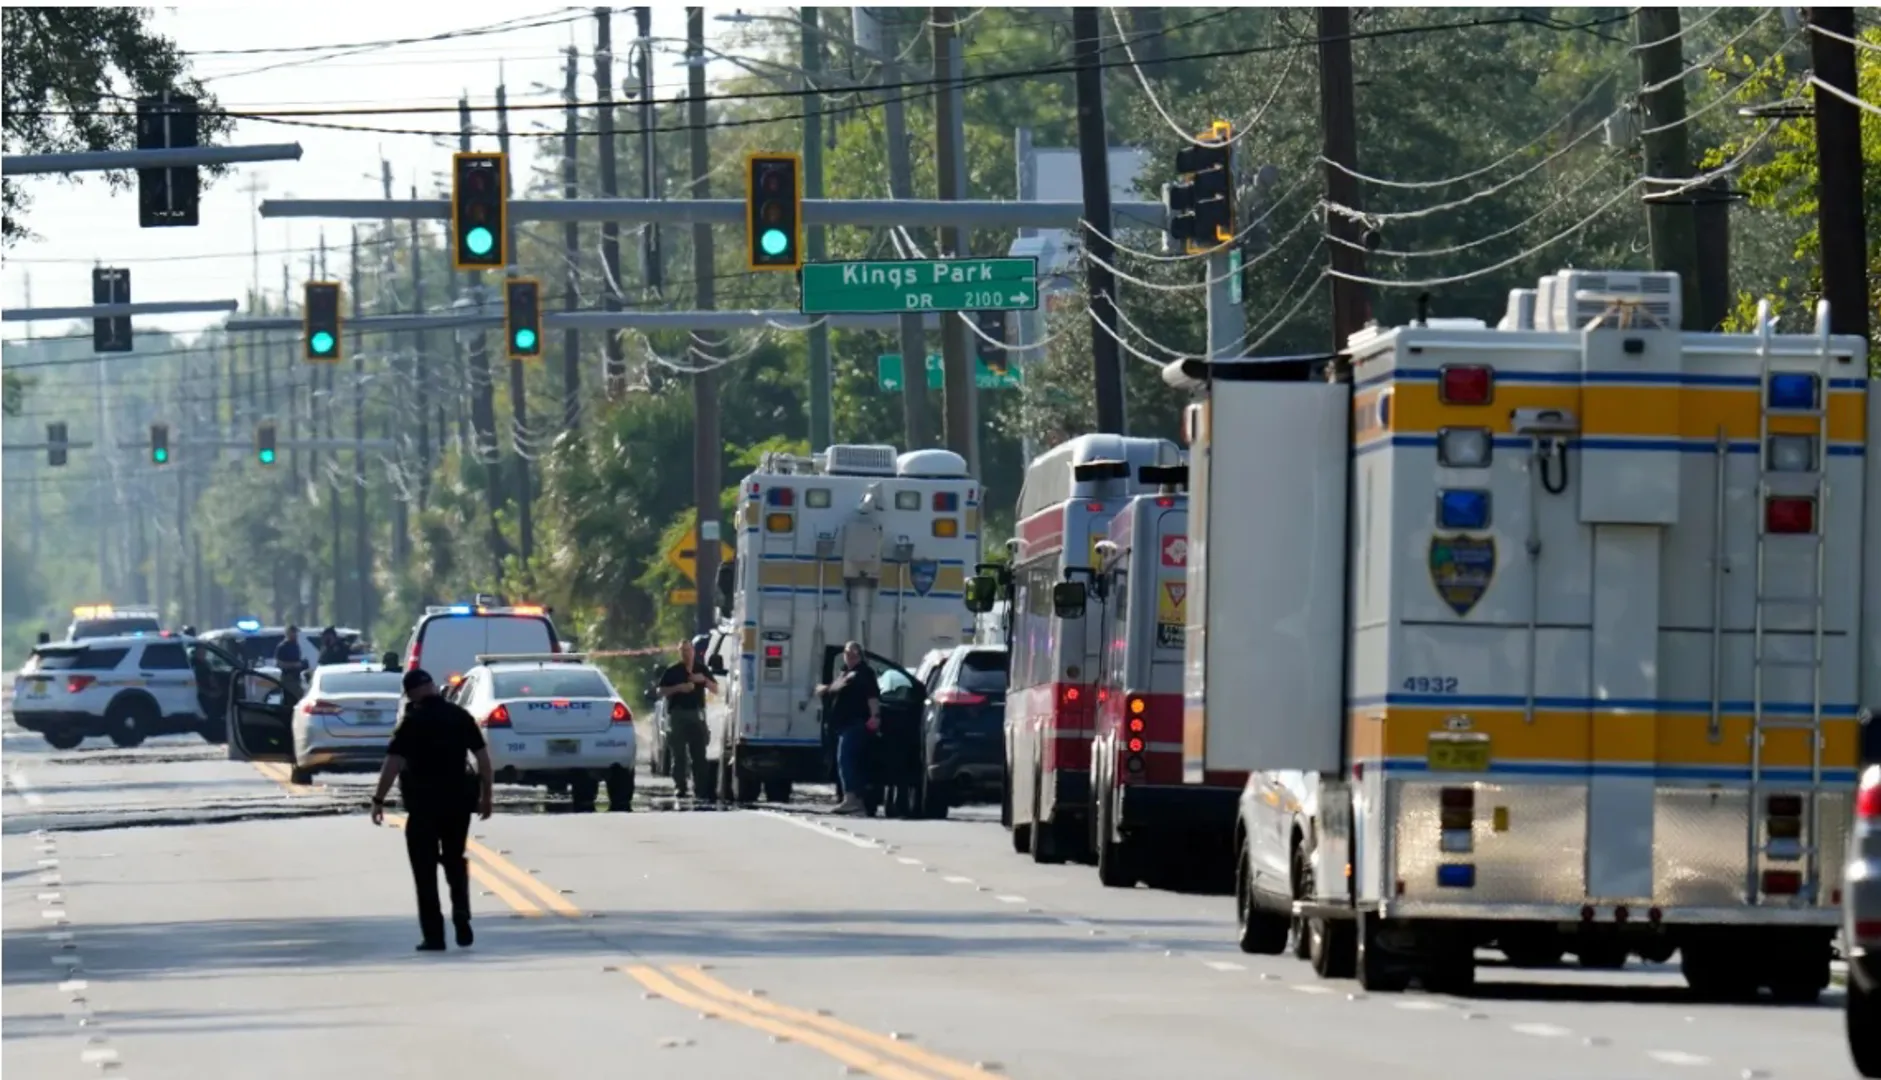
[(1461, 568), (921, 575)]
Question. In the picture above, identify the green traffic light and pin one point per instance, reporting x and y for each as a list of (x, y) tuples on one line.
[(267, 457), (160, 455), (525, 339), (773, 242), (480, 240), (322, 342)]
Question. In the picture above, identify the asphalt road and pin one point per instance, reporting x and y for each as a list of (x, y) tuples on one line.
[(169, 914)]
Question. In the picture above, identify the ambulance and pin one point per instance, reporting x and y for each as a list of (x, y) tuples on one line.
[(1068, 498), (859, 543), (1554, 637)]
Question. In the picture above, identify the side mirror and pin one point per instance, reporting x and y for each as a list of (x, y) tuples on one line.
[(1068, 599), (716, 666), (982, 593)]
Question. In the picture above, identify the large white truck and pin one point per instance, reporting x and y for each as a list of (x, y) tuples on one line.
[(1555, 637), (859, 543)]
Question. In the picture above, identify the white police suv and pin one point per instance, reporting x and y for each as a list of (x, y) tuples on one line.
[(552, 719), (126, 687)]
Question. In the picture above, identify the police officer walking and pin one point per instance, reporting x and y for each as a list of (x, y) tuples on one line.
[(683, 685), (428, 757)]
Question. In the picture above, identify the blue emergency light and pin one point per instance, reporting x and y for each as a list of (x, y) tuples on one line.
[(1456, 876), (780, 496), (946, 502), (248, 626), (1463, 509), (460, 609), (1795, 390)]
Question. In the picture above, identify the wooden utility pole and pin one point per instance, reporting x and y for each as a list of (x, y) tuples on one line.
[(812, 48), (652, 258), (571, 243), (422, 366), (616, 370), (1841, 220), (706, 451), (1094, 157), (1671, 221), (1351, 304), (960, 392)]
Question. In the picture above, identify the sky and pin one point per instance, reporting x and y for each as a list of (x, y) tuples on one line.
[(82, 224)]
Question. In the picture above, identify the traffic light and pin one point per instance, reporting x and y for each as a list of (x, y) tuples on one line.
[(1201, 205), (320, 321), (159, 444), (522, 316), (774, 211), (55, 444), (478, 206), (992, 324), (264, 442), (171, 196)]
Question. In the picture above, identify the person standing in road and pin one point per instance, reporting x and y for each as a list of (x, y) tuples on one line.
[(293, 664), (855, 709), (428, 757), (332, 649), (684, 685)]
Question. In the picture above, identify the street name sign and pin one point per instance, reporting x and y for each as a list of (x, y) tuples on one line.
[(915, 285)]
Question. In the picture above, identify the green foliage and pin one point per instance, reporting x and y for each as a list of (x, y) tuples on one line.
[(72, 76)]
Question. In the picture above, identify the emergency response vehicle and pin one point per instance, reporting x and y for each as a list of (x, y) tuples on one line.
[(104, 620), (858, 543), (1065, 505), (1586, 675), (553, 719), (127, 688), (1146, 824), (448, 638)]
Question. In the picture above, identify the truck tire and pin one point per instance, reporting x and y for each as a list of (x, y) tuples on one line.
[(1046, 849), (1863, 1012), (1115, 859), (64, 740), (1377, 969), (1796, 972), (1716, 972), (1329, 945), (777, 791), (747, 786), (1262, 933), (1302, 890), (1022, 839)]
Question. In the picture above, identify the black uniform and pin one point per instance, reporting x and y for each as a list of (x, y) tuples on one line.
[(439, 789), (685, 726), (293, 664)]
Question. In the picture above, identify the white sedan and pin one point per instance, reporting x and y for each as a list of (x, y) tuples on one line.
[(345, 720), (553, 719)]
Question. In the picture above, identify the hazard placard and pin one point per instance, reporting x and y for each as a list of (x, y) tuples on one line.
[(1169, 602), (1175, 551)]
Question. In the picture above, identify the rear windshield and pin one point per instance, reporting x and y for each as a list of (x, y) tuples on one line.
[(551, 683), (450, 644), (983, 671), (361, 682), (81, 659), (129, 624)]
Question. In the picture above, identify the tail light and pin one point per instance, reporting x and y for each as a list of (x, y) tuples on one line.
[(1072, 694), (1466, 384), (957, 696), (1135, 745), (1782, 882), (78, 683), (621, 715), (499, 717), (1787, 514), (324, 708), (1868, 799), (411, 662)]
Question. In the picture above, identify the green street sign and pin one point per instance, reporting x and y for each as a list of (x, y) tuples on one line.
[(888, 374), (887, 288)]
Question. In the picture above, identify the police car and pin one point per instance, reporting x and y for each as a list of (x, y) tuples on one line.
[(552, 719), (448, 639), (103, 620), (127, 687)]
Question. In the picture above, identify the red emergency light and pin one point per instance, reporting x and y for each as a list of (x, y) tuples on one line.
[(1789, 514), (1465, 384)]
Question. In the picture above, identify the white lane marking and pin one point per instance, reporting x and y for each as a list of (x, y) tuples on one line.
[(1010, 899), (817, 827), (956, 879), (906, 861), (65, 961), (48, 862), (1545, 1031), (52, 913), (59, 935), (1077, 922), (98, 1056), (25, 790), (48, 897), (1417, 1005), (73, 986), (1224, 965), (1677, 1057), (1308, 988), (51, 879)]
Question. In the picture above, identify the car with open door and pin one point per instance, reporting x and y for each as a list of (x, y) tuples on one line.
[(893, 757), (261, 719)]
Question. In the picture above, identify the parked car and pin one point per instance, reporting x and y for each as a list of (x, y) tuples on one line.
[(1861, 925), (963, 729), (345, 719)]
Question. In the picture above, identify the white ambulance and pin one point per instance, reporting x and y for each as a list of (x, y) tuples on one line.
[(1555, 637)]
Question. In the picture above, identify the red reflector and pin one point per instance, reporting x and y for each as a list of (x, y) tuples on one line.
[(621, 715), (772, 652), (1136, 725), (1789, 515), (1868, 802), (1784, 805), (957, 696), (1782, 882), (324, 708), (1458, 798), (1465, 384), (1164, 502), (499, 717), (1071, 693), (1093, 506), (1136, 746), (78, 683)]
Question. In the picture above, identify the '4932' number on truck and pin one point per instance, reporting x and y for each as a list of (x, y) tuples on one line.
[(1430, 684)]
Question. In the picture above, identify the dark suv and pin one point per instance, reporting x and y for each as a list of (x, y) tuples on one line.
[(963, 729)]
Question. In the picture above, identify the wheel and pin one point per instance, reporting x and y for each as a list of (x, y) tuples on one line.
[(1377, 969), (298, 775), (557, 788), (583, 790), (620, 789), (1005, 800), (1260, 932), (777, 791), (1332, 947), (1717, 973), (1863, 1011), (129, 722), (1797, 971), (64, 740), (747, 786), (1114, 858), (1302, 890), (1602, 956), (936, 799), (1022, 839), (1046, 848), (1532, 952)]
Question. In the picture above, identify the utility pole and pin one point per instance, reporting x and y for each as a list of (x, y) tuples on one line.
[(421, 367), (1351, 307), (652, 258), (518, 390), (1712, 220), (571, 244), (706, 450), (291, 387), (1841, 220), (874, 35), (1094, 157), (340, 599), (483, 391), (960, 387), (1671, 222), (403, 366), (818, 250), (616, 370)]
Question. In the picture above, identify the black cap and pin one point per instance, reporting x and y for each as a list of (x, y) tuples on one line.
[(416, 678)]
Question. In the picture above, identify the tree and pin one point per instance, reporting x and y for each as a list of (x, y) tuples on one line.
[(61, 65)]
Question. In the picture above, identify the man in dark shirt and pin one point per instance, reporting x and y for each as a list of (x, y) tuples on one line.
[(683, 685), (332, 649), (293, 664), (427, 756), (855, 708)]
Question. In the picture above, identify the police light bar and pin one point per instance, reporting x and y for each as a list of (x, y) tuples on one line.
[(532, 658), (248, 625)]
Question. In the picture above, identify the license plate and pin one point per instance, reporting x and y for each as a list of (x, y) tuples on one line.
[(36, 689), (1457, 755), (370, 716), (564, 746)]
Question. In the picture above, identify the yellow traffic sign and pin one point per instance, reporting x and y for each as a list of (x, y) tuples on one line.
[(682, 597), (683, 556)]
